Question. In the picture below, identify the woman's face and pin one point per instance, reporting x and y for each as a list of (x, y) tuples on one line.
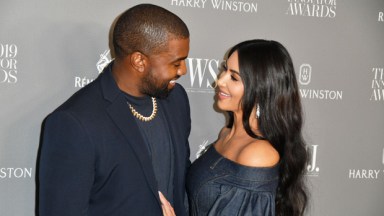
[(230, 88)]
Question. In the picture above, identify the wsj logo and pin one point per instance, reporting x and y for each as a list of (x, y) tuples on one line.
[(305, 74), (202, 74), (377, 84), (8, 67), (312, 168)]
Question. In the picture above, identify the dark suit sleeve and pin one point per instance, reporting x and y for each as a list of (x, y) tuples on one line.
[(66, 167), (188, 131), (188, 116), (187, 119)]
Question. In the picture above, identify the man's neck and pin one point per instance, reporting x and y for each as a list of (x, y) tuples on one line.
[(125, 78)]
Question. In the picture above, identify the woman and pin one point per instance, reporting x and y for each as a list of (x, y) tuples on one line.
[(257, 164)]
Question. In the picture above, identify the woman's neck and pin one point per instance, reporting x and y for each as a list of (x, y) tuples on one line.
[(238, 125)]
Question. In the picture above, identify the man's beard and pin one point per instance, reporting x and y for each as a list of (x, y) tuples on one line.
[(150, 87)]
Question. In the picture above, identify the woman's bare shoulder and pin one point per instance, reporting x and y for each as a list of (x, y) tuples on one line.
[(259, 153)]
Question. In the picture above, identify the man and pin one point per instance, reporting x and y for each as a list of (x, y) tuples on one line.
[(115, 144)]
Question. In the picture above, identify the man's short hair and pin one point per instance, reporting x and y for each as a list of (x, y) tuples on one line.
[(146, 28)]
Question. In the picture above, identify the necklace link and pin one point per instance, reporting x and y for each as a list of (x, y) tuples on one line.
[(145, 118)]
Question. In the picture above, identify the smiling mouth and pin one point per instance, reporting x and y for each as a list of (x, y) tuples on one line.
[(224, 94)]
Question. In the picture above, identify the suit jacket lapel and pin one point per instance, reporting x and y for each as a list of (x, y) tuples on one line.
[(167, 109), (119, 112)]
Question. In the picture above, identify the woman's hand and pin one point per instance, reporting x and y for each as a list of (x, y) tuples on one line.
[(166, 206)]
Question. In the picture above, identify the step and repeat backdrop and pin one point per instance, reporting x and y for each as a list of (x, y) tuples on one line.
[(51, 49)]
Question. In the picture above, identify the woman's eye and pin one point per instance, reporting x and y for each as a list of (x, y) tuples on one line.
[(233, 78)]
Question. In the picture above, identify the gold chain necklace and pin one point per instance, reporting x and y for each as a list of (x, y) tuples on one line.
[(144, 118)]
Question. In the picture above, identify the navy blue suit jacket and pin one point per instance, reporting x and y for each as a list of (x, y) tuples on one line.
[(93, 159)]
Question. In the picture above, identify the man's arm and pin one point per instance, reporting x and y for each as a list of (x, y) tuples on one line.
[(66, 167)]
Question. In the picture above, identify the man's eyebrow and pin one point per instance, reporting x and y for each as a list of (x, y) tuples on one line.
[(180, 59)]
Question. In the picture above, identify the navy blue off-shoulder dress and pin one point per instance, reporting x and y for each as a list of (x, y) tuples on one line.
[(219, 186)]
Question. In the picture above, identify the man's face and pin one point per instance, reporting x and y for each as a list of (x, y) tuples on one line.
[(165, 68)]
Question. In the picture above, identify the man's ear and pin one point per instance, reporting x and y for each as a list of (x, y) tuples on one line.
[(138, 61)]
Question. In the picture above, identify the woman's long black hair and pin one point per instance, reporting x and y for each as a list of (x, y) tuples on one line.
[(269, 82)]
